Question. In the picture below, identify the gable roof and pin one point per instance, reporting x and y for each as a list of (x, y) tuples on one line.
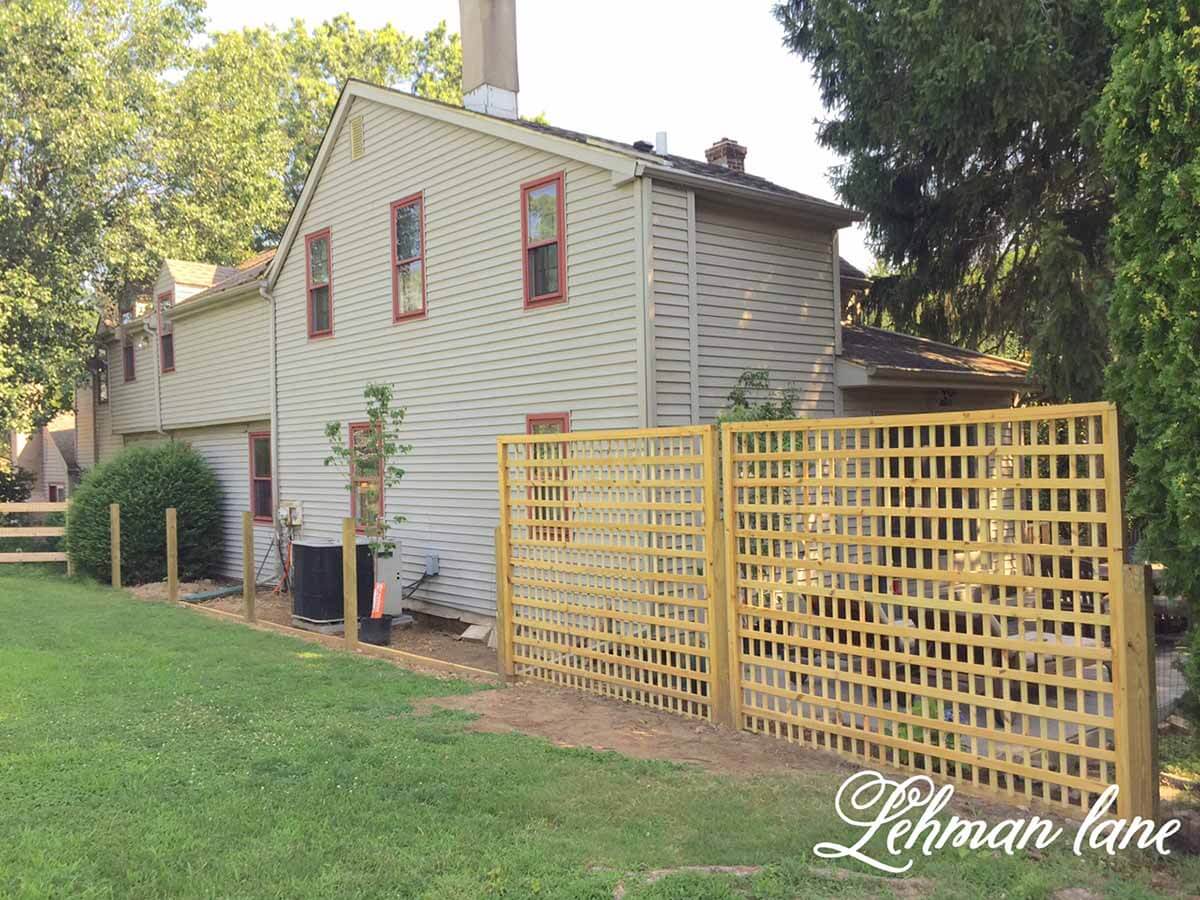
[(623, 160), (196, 274), (246, 277), (891, 353)]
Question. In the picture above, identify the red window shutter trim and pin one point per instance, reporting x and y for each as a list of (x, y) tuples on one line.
[(559, 296), (417, 199), (327, 234)]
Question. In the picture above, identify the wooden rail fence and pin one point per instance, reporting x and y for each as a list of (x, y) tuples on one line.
[(32, 531), (940, 593)]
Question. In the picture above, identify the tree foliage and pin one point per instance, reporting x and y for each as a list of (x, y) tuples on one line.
[(1151, 115), (146, 481), (969, 141), (370, 466), (752, 399), (125, 139)]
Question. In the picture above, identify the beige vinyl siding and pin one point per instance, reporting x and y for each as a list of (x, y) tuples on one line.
[(29, 456), (672, 318), (765, 298), (896, 400), (54, 467), (85, 423), (227, 450), (222, 366), (479, 362), (108, 443), (132, 404)]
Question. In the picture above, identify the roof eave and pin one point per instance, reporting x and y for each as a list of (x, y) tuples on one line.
[(840, 216), (999, 380), (216, 300)]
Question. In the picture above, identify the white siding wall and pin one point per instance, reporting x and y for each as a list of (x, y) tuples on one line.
[(765, 290), (895, 400), (85, 424), (479, 362), (672, 317), (222, 366), (227, 449), (54, 467), (132, 403)]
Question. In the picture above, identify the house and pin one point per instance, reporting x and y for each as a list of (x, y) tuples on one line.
[(48, 454), (502, 275)]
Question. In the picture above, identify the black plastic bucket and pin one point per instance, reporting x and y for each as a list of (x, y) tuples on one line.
[(375, 631)]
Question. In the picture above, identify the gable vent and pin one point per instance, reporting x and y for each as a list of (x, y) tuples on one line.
[(357, 145)]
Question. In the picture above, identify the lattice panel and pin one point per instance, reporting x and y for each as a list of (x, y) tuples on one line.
[(933, 593), (606, 535)]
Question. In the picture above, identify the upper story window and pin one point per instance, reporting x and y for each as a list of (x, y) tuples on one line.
[(101, 374), (128, 359), (260, 476), (319, 280), (166, 332), (543, 238), (408, 258), (366, 477)]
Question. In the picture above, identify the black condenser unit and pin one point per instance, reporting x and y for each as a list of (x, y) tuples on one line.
[(317, 580)]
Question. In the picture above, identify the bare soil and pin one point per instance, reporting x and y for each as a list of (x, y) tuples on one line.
[(427, 636)]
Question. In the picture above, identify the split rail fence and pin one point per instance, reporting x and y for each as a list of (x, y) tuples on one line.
[(942, 593), (36, 530)]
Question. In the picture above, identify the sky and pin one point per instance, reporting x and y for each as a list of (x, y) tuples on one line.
[(626, 69)]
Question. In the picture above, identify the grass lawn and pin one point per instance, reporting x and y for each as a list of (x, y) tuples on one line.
[(148, 751)]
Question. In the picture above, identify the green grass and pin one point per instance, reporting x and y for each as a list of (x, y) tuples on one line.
[(148, 751)]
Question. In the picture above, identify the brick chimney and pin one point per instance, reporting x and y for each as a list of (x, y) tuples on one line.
[(489, 56), (728, 153)]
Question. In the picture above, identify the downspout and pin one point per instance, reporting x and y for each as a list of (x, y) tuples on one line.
[(150, 326), (264, 291)]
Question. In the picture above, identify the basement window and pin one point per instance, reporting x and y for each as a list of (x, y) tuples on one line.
[(319, 282), (543, 239), (408, 258), (260, 476), (547, 490)]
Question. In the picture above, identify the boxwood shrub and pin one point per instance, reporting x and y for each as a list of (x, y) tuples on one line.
[(145, 481)]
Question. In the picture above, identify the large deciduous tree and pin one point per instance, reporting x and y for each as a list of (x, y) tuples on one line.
[(80, 81), (1151, 116), (122, 143), (969, 143)]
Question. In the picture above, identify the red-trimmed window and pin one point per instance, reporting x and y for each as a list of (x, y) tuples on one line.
[(260, 476), (408, 258), (128, 360), (366, 477), (544, 241), (553, 492), (56, 493), (318, 277), (166, 332)]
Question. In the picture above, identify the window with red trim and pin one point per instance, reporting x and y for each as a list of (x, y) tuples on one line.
[(166, 332), (366, 477), (56, 493), (543, 241), (128, 360), (318, 277), (408, 258), (551, 495), (260, 476)]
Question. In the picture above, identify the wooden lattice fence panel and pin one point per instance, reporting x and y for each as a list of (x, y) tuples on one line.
[(607, 550), (934, 593)]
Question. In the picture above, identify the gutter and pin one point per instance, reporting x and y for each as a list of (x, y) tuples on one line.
[(152, 330), (820, 210), (268, 296), (943, 375)]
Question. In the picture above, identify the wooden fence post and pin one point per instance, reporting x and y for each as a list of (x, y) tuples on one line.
[(248, 586), (1137, 696), (350, 582), (504, 624), (729, 570), (172, 556), (62, 546), (114, 532), (720, 695)]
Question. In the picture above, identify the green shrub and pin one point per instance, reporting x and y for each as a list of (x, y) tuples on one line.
[(146, 481)]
